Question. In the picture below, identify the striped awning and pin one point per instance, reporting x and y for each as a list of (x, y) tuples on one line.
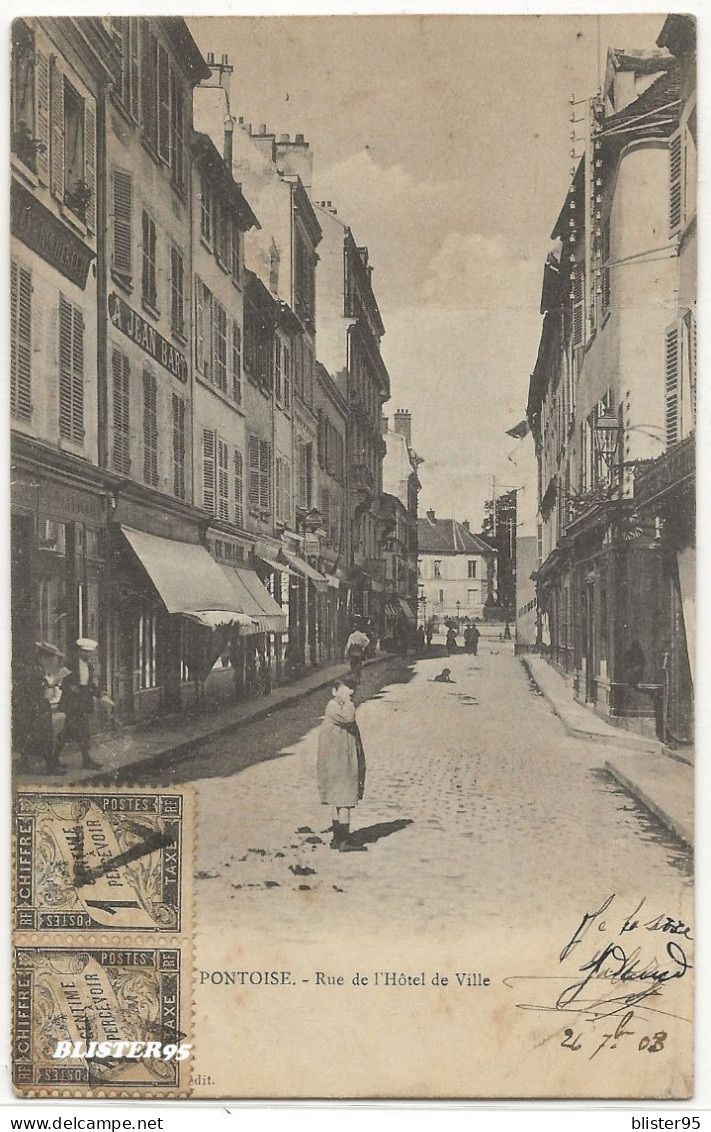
[(254, 599)]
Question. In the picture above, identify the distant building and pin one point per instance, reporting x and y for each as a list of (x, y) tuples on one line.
[(456, 569), (401, 485)]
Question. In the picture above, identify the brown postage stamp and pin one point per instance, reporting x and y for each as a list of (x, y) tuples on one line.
[(93, 860), (100, 1021)]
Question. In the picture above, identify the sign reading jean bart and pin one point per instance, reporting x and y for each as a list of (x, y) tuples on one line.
[(135, 327)]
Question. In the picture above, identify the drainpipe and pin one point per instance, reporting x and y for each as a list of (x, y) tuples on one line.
[(102, 259)]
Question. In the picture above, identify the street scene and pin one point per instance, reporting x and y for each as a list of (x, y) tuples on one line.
[(353, 434), (459, 813)]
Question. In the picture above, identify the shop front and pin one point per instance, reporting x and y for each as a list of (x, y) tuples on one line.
[(58, 558)]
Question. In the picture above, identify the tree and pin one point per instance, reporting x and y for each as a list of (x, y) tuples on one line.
[(503, 537)]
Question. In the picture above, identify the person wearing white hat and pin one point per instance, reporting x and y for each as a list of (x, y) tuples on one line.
[(79, 691)]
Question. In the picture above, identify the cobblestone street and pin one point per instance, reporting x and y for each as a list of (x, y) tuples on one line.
[(477, 805)]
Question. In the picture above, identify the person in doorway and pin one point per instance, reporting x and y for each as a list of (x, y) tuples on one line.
[(451, 640), (356, 647), (38, 736), (79, 693), (341, 763)]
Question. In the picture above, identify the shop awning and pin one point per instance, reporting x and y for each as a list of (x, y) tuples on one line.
[(332, 581), (219, 618), (272, 563), (254, 599), (304, 568), (406, 609), (187, 579)]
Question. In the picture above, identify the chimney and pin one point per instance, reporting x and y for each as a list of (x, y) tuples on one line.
[(220, 72), (295, 157), (384, 425), (403, 424), (431, 516)]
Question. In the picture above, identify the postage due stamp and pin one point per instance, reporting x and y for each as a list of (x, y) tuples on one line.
[(100, 1020), (88, 860)]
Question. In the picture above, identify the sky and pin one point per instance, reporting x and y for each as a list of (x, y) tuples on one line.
[(443, 141)]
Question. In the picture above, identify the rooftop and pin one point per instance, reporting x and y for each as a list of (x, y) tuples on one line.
[(448, 536)]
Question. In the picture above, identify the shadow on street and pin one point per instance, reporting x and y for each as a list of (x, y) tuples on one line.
[(263, 740), (371, 833)]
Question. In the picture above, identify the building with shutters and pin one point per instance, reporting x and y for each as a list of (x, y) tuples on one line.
[(279, 359), (60, 72), (331, 501), (350, 329), (666, 491), (599, 406), (147, 328), (456, 570)]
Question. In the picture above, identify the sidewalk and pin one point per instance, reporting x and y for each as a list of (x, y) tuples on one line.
[(661, 782), (160, 741)]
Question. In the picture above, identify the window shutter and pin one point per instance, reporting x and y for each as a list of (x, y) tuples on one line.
[(149, 120), (132, 62), (265, 473), (90, 161), (578, 311), (671, 384), (692, 364), (326, 508), (208, 470), (21, 342), (121, 419), (287, 492), (123, 203), (302, 487), (178, 447), (43, 133), (676, 186), (163, 104), (56, 101), (254, 478), (223, 483), (65, 368), (239, 488), (278, 481), (236, 362), (199, 326), (150, 429)]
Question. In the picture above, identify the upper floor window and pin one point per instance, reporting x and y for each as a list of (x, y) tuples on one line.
[(438, 568), (23, 137), (471, 568), (682, 175), (124, 31), (162, 103), (20, 341), (149, 286)]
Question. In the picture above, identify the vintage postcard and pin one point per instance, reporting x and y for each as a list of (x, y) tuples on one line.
[(353, 422)]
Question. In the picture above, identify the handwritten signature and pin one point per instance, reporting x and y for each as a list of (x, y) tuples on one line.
[(623, 963)]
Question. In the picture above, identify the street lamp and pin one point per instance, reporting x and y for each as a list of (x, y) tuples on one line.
[(608, 435), (458, 604)]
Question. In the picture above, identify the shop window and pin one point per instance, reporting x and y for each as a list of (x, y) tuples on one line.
[(52, 536), (145, 666), (52, 611)]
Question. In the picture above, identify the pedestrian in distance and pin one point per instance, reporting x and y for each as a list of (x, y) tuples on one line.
[(356, 648), (421, 640), (474, 636), (79, 694), (341, 763), (451, 640), (429, 633), (37, 733)]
